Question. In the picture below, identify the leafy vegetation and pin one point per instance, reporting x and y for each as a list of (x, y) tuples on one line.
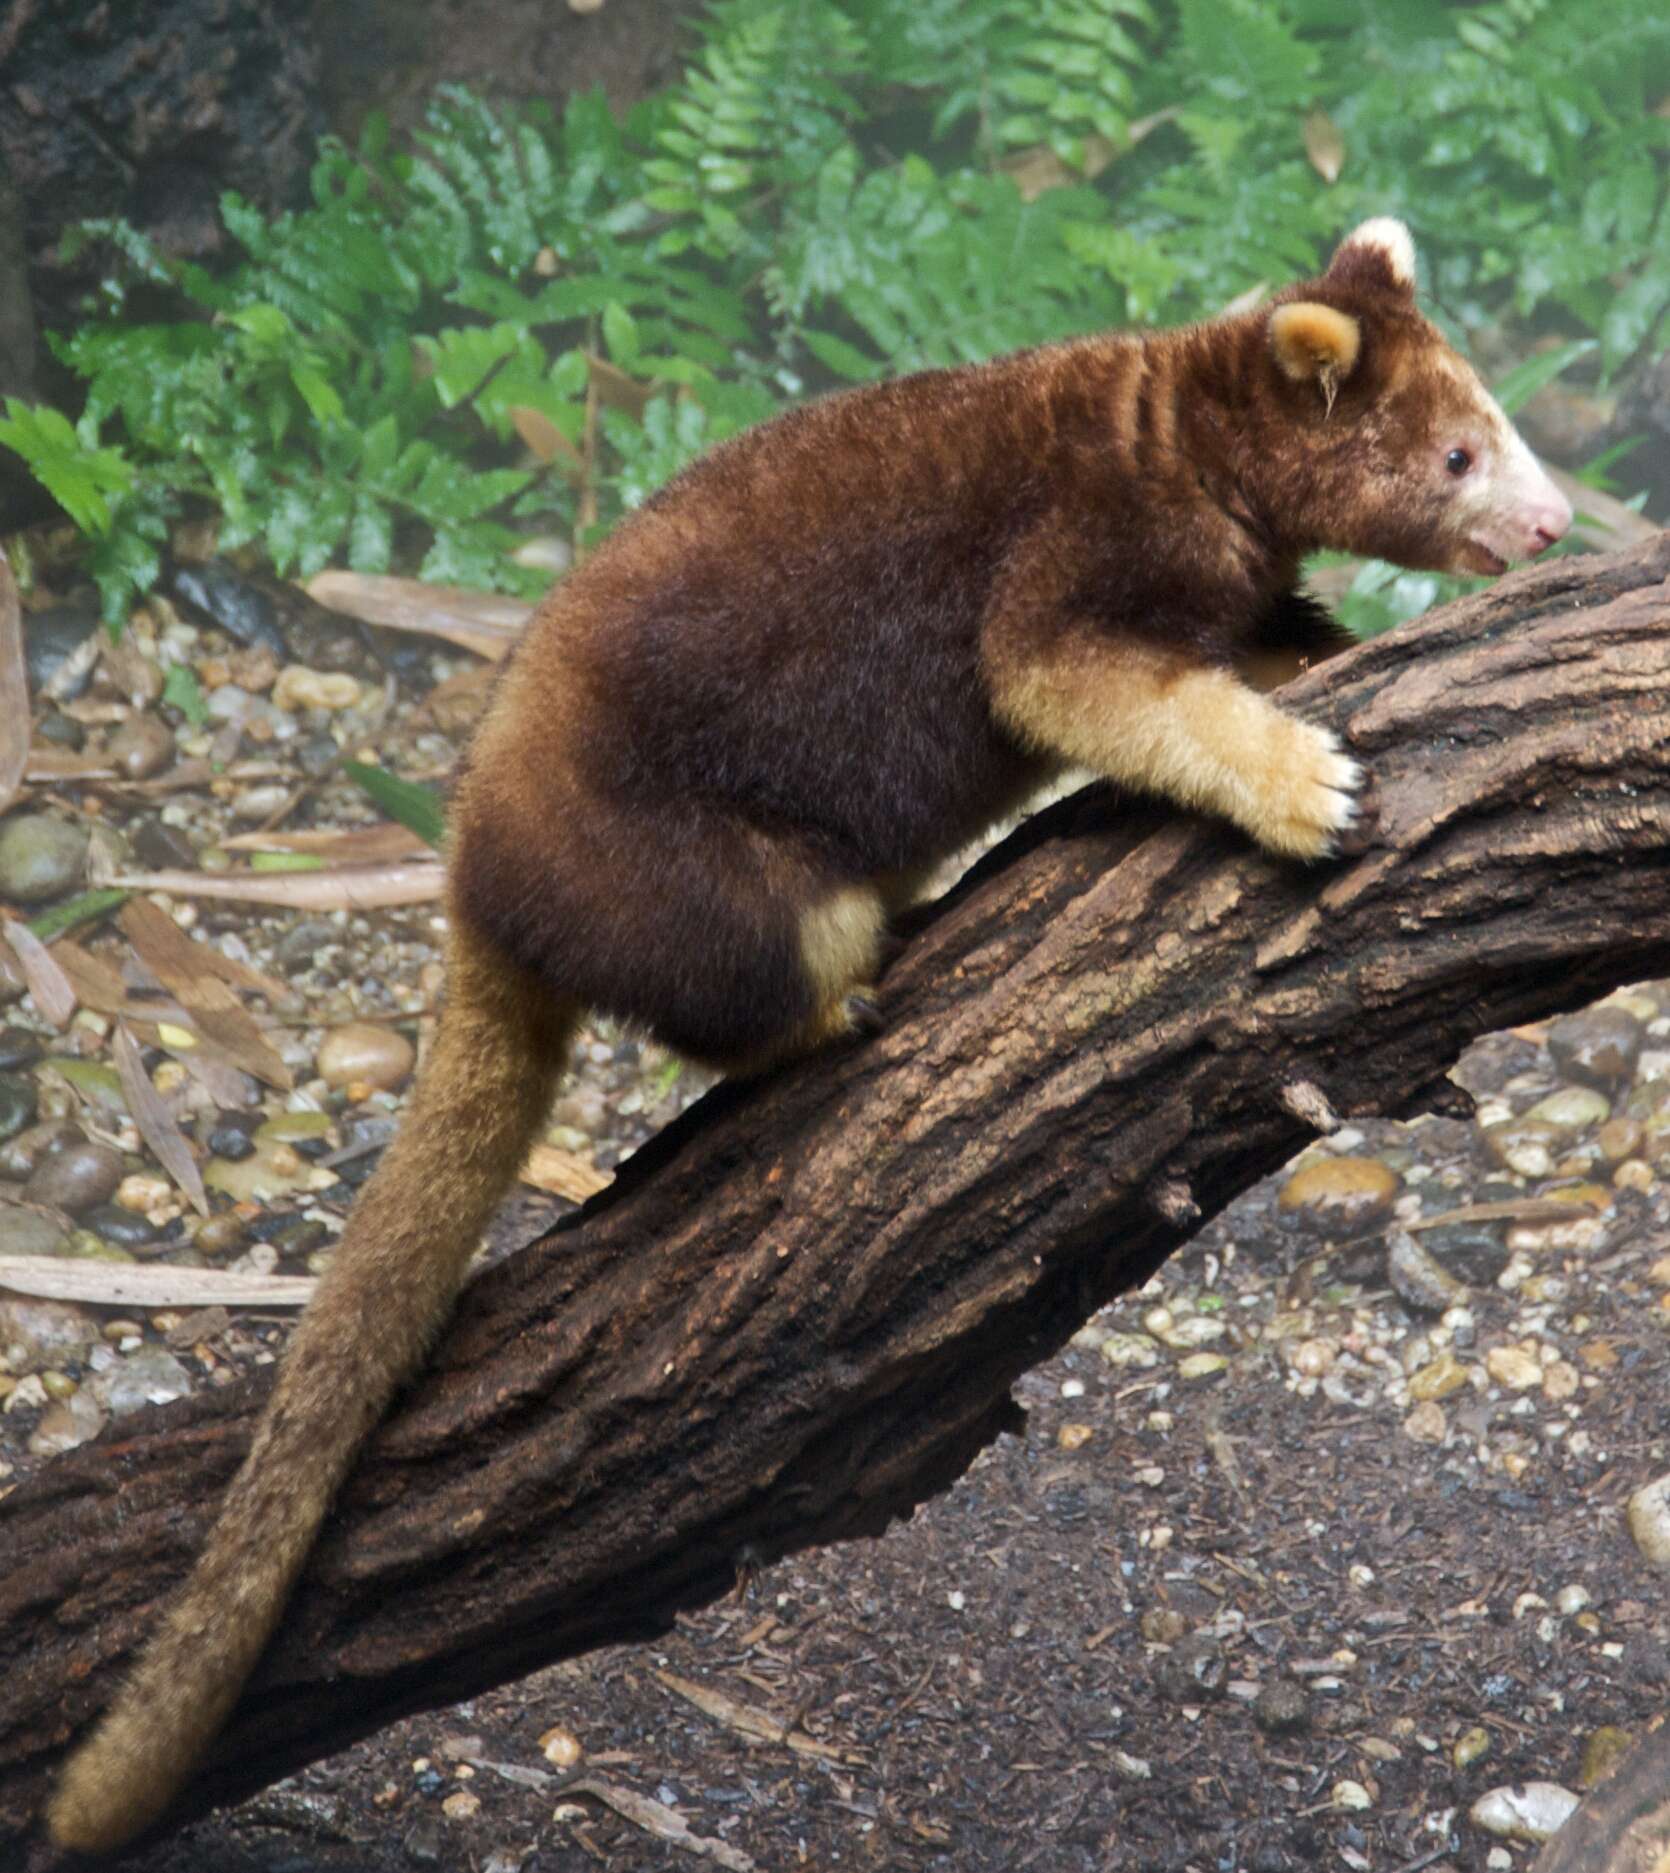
[(527, 320)]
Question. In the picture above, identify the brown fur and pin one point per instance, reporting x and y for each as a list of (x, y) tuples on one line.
[(825, 656)]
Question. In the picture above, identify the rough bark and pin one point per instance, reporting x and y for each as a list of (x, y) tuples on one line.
[(799, 1312), (1623, 1825)]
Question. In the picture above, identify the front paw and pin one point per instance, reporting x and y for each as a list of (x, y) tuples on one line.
[(1308, 807)]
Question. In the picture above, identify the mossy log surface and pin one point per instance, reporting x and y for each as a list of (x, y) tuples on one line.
[(800, 1311)]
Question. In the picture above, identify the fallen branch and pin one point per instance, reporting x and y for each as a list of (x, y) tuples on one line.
[(798, 1312)]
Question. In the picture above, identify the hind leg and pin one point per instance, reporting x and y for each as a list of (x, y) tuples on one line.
[(839, 940)]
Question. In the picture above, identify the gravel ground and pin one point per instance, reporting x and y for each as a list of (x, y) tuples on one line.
[(1311, 1544)]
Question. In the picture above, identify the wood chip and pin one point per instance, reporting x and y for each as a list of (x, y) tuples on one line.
[(368, 887), (14, 689), (663, 1822), (181, 966), (156, 1123), (564, 1173), (155, 1284), (54, 995), (483, 622)]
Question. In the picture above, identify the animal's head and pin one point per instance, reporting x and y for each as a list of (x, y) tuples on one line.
[(1406, 455)]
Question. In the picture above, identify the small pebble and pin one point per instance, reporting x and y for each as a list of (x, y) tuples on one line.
[(1426, 1424), (65, 1424), (17, 1104), (141, 747), (1349, 1794), (27, 1232), (1417, 1278), (1339, 1196), (18, 1048), (1470, 1746), (1531, 1812), (40, 857), (128, 1229), (35, 1334), (367, 1052), (75, 1178), (560, 1747), (1649, 1521), (1598, 1046), (298, 687), (1572, 1110), (1527, 1147), (1281, 1707), (1438, 1378), (1513, 1367), (148, 1377), (1194, 1671)]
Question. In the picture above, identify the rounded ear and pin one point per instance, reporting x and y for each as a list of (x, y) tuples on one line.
[(1379, 253), (1315, 344)]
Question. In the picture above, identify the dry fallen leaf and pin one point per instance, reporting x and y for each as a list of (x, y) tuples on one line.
[(156, 1123), (480, 621), (368, 887), (54, 996), (1324, 145), (183, 968), (563, 1173), (128, 1284), (382, 844)]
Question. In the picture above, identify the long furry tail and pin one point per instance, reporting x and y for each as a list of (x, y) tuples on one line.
[(476, 1109)]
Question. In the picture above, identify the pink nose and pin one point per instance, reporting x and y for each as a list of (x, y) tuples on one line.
[(1548, 523)]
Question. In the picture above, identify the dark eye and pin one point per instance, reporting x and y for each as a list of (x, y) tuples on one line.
[(1458, 461)]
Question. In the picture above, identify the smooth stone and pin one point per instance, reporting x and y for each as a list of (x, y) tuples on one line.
[(1526, 1146), (1618, 1139), (1598, 1046), (21, 1154), (18, 1048), (254, 804), (1281, 1707), (67, 1424), (1339, 1196), (299, 947), (1472, 1252), (318, 755), (1649, 1521), (51, 637), (37, 1334), (27, 1232), (1513, 1367), (230, 1141), (141, 747), (1531, 1812), (161, 847), (362, 1052), (219, 1235), (17, 1104), (40, 857), (81, 1245), (1573, 1109), (1418, 1280), (215, 592), (128, 1229), (1438, 1378), (76, 1178), (148, 1377)]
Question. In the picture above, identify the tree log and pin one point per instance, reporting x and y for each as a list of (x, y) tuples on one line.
[(799, 1311)]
